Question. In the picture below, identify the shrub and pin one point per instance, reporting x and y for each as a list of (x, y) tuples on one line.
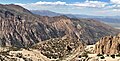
[(27, 59), (4, 53), (14, 48), (107, 55), (99, 55), (102, 57), (118, 55), (84, 55), (19, 55), (80, 56), (113, 56)]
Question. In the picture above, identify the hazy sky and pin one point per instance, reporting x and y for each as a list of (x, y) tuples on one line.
[(87, 7)]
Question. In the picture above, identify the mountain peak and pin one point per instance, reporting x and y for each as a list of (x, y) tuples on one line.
[(14, 9), (45, 13)]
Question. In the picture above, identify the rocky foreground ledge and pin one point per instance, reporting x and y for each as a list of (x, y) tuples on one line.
[(15, 54), (107, 49), (50, 50), (89, 55), (108, 45)]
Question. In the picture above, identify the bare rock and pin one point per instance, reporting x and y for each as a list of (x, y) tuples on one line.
[(108, 45)]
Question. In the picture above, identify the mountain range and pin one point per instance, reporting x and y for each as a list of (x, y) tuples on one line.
[(29, 36), (110, 20), (20, 27)]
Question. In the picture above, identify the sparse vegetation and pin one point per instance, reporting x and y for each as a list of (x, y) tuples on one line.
[(118, 55), (14, 48), (100, 55), (84, 54), (4, 53), (27, 59), (57, 48), (107, 54), (79, 56), (19, 55)]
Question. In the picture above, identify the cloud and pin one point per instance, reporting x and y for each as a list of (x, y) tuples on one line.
[(94, 4), (82, 4), (87, 7), (50, 3), (42, 5), (20, 4), (115, 1), (113, 6), (87, 3), (116, 10)]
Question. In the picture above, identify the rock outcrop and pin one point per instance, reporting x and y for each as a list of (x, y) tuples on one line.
[(108, 45)]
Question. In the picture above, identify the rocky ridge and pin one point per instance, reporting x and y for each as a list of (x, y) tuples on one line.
[(108, 45)]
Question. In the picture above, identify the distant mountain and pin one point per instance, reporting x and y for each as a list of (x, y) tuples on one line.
[(51, 14), (114, 22), (111, 20), (45, 13)]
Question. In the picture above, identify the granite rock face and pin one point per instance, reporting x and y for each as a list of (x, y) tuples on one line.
[(108, 45), (20, 28)]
